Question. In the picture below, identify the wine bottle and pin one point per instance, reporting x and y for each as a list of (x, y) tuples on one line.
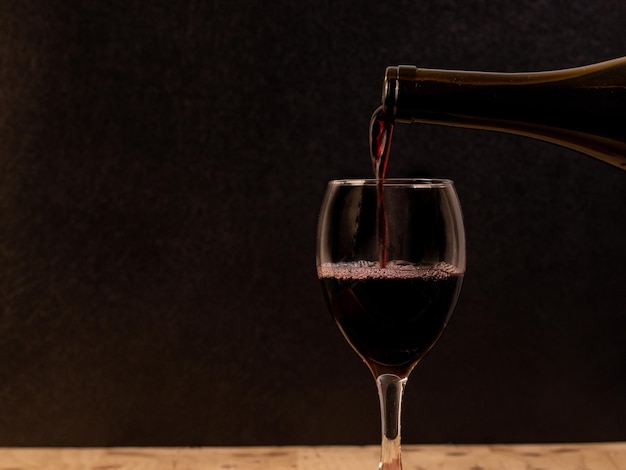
[(582, 108)]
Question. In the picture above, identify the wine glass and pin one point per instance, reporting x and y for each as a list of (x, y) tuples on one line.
[(391, 259)]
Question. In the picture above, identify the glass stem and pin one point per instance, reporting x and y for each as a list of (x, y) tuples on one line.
[(390, 390)]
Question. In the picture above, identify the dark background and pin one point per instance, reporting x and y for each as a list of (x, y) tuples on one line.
[(161, 168)]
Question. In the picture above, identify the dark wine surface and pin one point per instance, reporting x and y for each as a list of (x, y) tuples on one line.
[(391, 316), (381, 131)]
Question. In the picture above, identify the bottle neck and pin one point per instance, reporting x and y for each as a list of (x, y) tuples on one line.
[(406, 87), (582, 108)]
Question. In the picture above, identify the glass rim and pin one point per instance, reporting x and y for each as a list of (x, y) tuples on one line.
[(391, 182)]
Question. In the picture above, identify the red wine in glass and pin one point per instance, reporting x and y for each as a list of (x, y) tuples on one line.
[(391, 317)]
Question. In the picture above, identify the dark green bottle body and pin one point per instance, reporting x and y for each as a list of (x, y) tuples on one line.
[(583, 108)]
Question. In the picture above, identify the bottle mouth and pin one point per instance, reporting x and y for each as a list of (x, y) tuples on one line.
[(390, 91), (399, 80)]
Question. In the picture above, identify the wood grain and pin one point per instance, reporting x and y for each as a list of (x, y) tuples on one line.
[(597, 456)]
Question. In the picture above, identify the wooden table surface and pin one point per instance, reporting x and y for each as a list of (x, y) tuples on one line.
[(596, 456)]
